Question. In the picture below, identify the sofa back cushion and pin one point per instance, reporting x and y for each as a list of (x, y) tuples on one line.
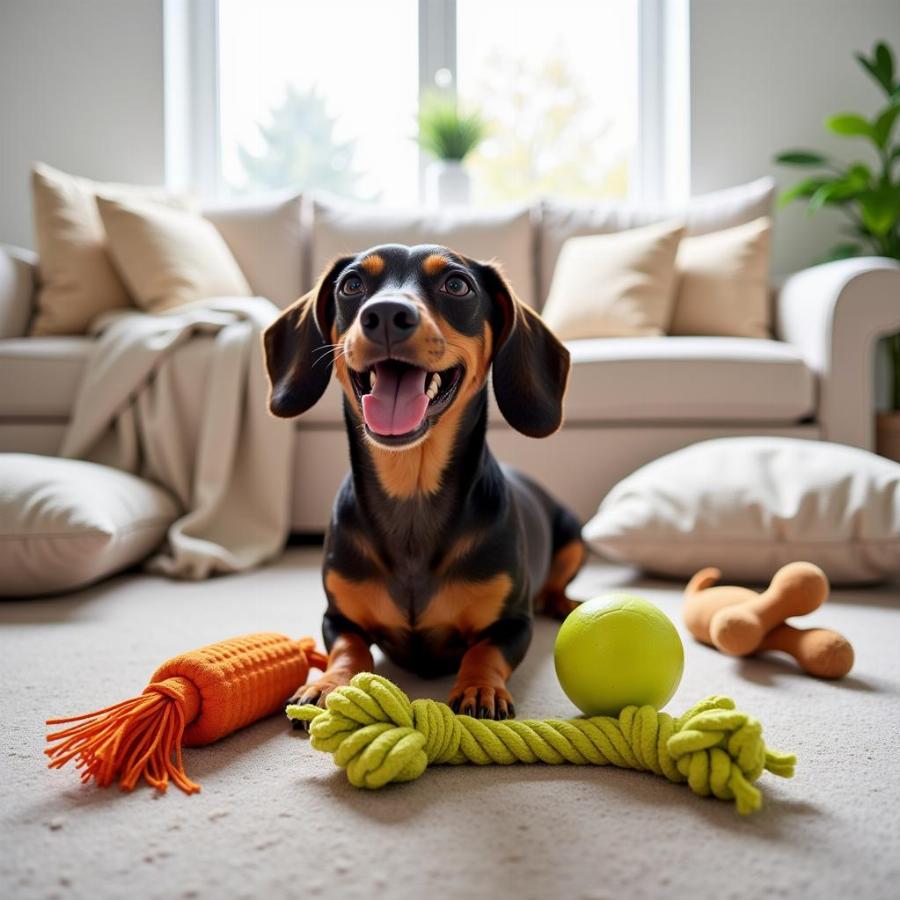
[(505, 235), (703, 214), (265, 236)]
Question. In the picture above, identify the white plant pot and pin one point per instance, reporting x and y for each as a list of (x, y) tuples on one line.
[(447, 183)]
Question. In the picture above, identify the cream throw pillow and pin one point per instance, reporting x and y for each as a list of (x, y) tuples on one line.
[(77, 280), (751, 505), (66, 523), (615, 285), (723, 282), (169, 257)]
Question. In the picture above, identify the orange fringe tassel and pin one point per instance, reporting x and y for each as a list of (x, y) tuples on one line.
[(193, 699)]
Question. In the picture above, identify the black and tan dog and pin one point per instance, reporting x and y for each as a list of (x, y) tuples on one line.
[(435, 553)]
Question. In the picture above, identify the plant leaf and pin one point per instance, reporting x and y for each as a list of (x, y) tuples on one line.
[(801, 158), (884, 124), (827, 193), (850, 125), (446, 132), (842, 251), (858, 176), (849, 186), (880, 208), (884, 64), (880, 66), (805, 188)]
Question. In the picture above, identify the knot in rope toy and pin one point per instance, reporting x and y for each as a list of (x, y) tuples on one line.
[(379, 736)]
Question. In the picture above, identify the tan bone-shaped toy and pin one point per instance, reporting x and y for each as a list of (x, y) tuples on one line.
[(740, 622)]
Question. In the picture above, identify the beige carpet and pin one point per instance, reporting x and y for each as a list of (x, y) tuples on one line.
[(276, 819)]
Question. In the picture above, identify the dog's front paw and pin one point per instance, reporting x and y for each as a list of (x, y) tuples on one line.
[(315, 694), (482, 701)]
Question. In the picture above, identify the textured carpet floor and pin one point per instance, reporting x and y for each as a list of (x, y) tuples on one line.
[(277, 820)]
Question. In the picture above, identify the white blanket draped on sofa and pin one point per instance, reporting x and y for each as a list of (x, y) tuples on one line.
[(221, 453)]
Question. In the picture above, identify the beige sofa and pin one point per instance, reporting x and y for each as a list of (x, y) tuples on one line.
[(630, 399)]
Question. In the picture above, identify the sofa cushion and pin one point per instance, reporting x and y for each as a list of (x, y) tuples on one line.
[(40, 375), (266, 239), (664, 379), (703, 214), (701, 379), (504, 234)]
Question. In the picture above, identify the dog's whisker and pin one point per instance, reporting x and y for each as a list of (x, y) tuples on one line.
[(328, 348), (336, 349)]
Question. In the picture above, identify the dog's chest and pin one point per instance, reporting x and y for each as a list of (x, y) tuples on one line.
[(420, 617)]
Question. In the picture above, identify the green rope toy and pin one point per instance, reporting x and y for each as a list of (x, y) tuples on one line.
[(378, 735)]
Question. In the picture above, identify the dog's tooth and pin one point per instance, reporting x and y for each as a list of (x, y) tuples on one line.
[(371, 379), (434, 386)]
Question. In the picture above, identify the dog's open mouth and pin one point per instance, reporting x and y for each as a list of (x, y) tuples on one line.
[(397, 398)]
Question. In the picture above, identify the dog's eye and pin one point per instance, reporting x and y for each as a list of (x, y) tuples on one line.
[(456, 286), (351, 285)]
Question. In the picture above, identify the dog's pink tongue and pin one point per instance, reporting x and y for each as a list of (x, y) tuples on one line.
[(397, 403)]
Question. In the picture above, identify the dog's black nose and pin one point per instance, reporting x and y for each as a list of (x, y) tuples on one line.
[(388, 322)]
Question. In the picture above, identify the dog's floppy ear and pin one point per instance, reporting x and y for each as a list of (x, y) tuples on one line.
[(530, 365), (297, 348)]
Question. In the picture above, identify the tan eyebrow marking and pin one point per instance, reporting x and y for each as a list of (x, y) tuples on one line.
[(373, 264), (434, 263)]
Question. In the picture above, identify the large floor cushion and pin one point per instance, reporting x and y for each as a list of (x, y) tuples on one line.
[(748, 506), (66, 523)]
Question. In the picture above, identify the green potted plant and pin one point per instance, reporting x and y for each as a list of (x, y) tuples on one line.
[(868, 195), (449, 134)]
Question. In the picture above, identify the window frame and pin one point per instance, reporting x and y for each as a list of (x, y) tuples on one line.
[(660, 166)]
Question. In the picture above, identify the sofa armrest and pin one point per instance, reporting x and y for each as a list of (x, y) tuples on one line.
[(18, 271), (835, 314)]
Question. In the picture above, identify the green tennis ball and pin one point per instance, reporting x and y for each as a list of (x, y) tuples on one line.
[(617, 650)]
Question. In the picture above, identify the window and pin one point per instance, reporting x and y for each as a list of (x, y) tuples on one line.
[(319, 93), (324, 94), (557, 84)]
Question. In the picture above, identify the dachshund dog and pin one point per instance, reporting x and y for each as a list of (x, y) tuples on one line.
[(435, 552)]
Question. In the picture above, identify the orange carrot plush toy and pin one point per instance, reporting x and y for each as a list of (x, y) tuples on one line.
[(193, 699)]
